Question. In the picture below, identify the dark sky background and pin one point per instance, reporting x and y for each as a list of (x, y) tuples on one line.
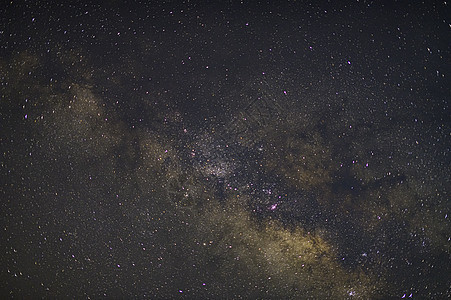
[(225, 150)]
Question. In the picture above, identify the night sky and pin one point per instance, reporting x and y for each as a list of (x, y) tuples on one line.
[(225, 150)]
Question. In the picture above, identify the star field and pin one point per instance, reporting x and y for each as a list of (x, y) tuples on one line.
[(271, 150)]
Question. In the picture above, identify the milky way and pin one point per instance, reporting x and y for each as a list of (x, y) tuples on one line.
[(229, 150)]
